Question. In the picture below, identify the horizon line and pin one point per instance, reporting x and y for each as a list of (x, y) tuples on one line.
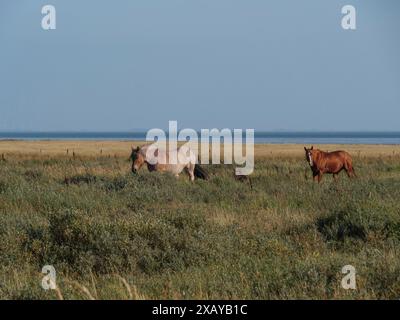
[(133, 131)]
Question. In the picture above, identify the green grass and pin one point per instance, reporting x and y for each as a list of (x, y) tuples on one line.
[(285, 238)]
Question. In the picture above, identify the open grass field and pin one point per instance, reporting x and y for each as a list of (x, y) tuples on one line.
[(113, 235)]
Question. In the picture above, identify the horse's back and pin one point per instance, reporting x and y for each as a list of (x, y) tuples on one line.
[(338, 154)]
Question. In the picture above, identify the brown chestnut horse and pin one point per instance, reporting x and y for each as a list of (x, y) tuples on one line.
[(329, 162)]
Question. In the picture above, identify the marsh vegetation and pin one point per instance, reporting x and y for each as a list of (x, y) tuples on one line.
[(114, 235)]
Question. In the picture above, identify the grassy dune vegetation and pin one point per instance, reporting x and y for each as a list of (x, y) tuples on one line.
[(113, 235)]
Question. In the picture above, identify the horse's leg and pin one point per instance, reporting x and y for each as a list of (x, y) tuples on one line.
[(190, 169), (315, 175), (335, 176), (319, 177)]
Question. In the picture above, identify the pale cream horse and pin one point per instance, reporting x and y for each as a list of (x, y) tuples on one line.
[(161, 160)]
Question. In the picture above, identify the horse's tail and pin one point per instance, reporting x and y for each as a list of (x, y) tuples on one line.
[(353, 172), (200, 172), (349, 166)]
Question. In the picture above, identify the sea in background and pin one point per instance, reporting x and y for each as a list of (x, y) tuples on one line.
[(388, 138)]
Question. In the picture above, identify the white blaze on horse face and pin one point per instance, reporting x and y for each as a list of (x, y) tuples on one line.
[(309, 156), (248, 160)]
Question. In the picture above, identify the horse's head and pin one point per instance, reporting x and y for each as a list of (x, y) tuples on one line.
[(309, 155), (137, 159)]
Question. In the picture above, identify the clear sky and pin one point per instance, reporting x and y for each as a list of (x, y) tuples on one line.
[(268, 65)]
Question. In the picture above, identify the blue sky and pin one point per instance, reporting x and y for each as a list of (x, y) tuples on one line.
[(268, 65)]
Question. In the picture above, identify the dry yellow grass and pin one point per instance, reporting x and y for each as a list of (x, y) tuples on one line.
[(82, 148), (122, 148)]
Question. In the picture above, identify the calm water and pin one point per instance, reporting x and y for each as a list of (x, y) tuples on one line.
[(260, 137)]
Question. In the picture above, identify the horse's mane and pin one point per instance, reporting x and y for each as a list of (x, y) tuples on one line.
[(317, 153), (143, 149), (166, 150)]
